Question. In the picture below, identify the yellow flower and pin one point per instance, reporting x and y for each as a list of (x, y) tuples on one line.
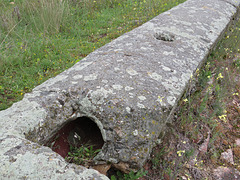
[(223, 118), (160, 98), (197, 71), (220, 76), (185, 100), (180, 152)]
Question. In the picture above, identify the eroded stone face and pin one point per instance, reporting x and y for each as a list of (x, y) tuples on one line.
[(129, 88)]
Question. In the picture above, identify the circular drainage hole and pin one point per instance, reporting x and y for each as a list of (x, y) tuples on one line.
[(79, 141)]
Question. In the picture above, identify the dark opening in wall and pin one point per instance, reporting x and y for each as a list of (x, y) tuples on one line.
[(79, 136), (113, 172)]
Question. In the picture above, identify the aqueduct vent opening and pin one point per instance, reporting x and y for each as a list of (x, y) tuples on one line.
[(82, 132)]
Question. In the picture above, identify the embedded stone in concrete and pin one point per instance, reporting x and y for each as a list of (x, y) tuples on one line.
[(164, 36), (129, 88)]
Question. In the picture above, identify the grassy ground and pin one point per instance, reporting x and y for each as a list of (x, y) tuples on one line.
[(207, 121), (40, 39)]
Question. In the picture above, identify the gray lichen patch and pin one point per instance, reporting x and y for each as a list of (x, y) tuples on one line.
[(155, 76), (78, 76), (128, 87), (117, 87), (141, 106), (142, 98), (90, 77), (131, 71)]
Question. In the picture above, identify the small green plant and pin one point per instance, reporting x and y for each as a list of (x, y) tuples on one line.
[(236, 62), (157, 158), (82, 155), (130, 176)]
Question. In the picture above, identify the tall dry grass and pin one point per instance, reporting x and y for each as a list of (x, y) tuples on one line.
[(46, 16)]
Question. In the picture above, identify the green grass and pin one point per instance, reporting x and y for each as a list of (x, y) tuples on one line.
[(129, 176), (40, 39), (82, 155)]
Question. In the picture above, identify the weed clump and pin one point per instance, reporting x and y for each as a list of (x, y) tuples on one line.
[(82, 155)]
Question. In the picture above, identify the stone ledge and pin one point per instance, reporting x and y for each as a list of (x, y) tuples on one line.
[(128, 87)]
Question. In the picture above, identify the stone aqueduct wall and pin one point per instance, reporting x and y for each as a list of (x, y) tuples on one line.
[(128, 87)]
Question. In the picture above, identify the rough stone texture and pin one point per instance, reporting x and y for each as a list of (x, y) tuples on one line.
[(22, 159), (227, 156), (225, 173), (128, 87), (237, 141)]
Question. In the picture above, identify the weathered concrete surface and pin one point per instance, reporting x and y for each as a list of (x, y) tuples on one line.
[(128, 87), (22, 159)]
